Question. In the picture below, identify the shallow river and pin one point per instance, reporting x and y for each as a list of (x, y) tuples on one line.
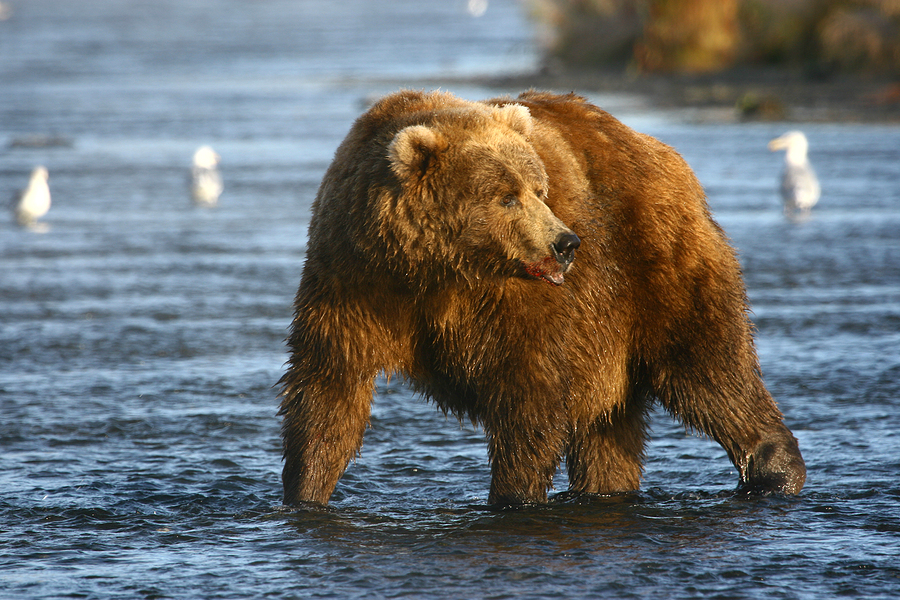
[(141, 337)]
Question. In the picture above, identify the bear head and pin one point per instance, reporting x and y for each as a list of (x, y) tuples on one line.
[(471, 194)]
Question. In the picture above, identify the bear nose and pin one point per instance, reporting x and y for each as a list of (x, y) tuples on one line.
[(564, 247)]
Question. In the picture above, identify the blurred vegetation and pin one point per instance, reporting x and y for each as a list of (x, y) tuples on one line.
[(697, 36)]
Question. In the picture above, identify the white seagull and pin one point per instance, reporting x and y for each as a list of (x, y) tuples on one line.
[(33, 202), (206, 181), (799, 185)]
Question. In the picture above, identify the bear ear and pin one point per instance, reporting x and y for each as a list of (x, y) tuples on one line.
[(517, 117), (413, 150)]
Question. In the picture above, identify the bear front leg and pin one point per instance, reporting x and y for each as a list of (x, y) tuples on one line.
[(322, 431), (327, 389)]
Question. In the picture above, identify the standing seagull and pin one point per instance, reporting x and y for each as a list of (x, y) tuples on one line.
[(33, 202), (799, 185), (206, 182)]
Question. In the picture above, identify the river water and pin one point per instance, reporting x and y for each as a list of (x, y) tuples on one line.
[(141, 337)]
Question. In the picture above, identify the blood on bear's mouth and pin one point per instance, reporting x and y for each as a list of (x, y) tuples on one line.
[(553, 267), (547, 269)]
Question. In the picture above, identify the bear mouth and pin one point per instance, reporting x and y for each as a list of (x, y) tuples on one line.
[(548, 270)]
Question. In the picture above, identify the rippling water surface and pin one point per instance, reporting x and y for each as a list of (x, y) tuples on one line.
[(140, 337)]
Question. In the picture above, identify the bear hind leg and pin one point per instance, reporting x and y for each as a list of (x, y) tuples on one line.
[(607, 456), (737, 411), (523, 462)]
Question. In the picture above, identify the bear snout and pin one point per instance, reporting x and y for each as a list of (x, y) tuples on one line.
[(564, 247)]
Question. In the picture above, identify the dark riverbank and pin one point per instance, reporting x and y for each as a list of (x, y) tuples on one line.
[(740, 94)]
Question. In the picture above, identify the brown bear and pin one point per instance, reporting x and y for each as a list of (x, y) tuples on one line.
[(443, 246)]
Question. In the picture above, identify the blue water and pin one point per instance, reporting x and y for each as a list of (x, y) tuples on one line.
[(141, 337)]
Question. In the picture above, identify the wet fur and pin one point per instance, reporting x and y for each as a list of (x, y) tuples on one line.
[(414, 268)]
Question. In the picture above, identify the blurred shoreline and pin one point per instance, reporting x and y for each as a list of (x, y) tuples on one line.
[(741, 94)]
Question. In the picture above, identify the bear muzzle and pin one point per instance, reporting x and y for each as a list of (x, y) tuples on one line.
[(553, 268), (564, 248)]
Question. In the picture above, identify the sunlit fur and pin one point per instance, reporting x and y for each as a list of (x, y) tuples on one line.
[(416, 265)]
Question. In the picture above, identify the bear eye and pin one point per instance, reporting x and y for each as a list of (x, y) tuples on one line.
[(509, 200)]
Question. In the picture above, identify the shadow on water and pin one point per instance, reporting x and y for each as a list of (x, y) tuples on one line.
[(627, 545), (620, 516)]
